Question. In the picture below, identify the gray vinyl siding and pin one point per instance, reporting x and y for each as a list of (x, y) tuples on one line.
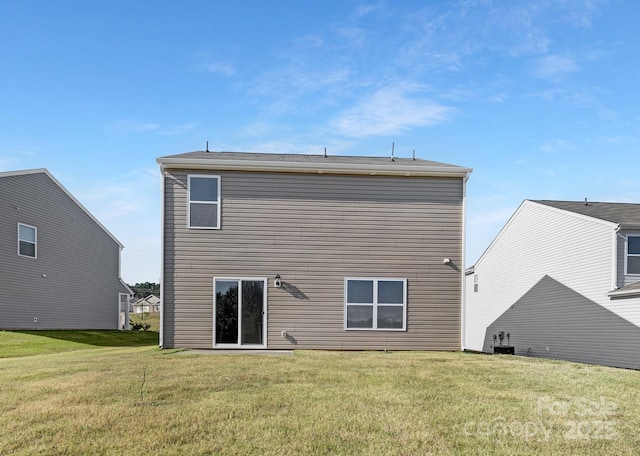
[(315, 231), (80, 261), (553, 321)]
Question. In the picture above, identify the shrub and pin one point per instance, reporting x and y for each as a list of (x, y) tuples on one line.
[(139, 325)]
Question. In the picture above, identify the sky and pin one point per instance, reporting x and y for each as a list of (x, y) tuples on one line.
[(540, 98)]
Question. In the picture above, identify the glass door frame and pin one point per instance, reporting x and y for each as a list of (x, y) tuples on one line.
[(240, 345)]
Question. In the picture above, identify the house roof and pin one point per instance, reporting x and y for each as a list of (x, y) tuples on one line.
[(73, 198), (304, 163), (629, 290), (150, 300), (624, 214)]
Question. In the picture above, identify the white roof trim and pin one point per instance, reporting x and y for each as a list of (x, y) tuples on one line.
[(396, 169), (621, 293), (529, 202), (73, 198)]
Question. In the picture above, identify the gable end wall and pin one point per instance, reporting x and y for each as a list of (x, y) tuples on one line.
[(79, 259)]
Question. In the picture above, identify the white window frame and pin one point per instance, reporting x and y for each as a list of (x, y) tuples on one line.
[(375, 303), (35, 244), (627, 255), (475, 283), (190, 201)]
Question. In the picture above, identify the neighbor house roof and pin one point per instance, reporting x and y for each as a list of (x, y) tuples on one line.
[(629, 290), (150, 300), (624, 214), (73, 198), (304, 163)]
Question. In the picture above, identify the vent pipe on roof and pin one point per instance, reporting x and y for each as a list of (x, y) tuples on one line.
[(325, 152), (393, 145), (414, 155), (585, 202), (207, 149)]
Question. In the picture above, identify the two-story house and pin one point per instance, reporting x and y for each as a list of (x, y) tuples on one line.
[(561, 280), (59, 266), (301, 251)]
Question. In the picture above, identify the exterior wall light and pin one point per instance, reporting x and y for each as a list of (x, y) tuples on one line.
[(277, 282)]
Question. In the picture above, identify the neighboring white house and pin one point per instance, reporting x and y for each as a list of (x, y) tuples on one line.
[(561, 280), (149, 304)]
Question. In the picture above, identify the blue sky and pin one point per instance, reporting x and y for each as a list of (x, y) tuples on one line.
[(540, 98)]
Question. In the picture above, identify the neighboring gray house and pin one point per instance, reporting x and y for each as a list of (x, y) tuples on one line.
[(59, 267), (561, 280), (299, 251), (149, 304)]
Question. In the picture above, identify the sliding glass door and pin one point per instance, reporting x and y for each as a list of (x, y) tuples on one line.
[(240, 312)]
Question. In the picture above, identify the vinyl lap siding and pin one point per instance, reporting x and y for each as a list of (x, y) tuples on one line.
[(567, 326), (538, 241), (80, 260), (315, 230)]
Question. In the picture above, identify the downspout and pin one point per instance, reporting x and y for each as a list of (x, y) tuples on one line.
[(614, 266), (463, 303), (162, 228)]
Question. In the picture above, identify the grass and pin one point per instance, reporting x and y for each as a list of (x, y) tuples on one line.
[(26, 343), (151, 318), (127, 400)]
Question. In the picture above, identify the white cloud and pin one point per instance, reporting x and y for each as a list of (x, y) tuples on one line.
[(223, 68), (10, 157), (482, 226), (208, 63), (129, 207), (390, 110), (555, 67), (133, 126), (555, 146), (363, 10), (178, 129)]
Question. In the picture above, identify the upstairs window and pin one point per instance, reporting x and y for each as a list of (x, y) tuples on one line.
[(378, 304), (633, 255), (27, 240), (204, 202)]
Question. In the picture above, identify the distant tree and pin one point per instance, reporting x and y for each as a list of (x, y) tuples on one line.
[(142, 290)]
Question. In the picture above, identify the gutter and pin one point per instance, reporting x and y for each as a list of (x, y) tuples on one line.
[(390, 169)]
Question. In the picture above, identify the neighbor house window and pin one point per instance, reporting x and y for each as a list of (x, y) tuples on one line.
[(204, 201), (633, 255), (27, 239), (475, 283), (375, 304)]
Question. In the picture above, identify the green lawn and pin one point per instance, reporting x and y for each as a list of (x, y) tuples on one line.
[(151, 318), (142, 400), (25, 343)]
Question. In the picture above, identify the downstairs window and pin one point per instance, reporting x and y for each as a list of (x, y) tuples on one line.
[(375, 304)]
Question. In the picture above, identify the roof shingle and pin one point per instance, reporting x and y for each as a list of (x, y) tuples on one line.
[(625, 214)]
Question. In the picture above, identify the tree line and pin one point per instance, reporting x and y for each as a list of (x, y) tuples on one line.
[(142, 290)]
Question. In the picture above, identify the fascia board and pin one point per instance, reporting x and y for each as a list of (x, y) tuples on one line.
[(623, 293), (315, 168)]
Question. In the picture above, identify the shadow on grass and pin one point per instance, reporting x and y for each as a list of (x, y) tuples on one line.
[(100, 338)]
